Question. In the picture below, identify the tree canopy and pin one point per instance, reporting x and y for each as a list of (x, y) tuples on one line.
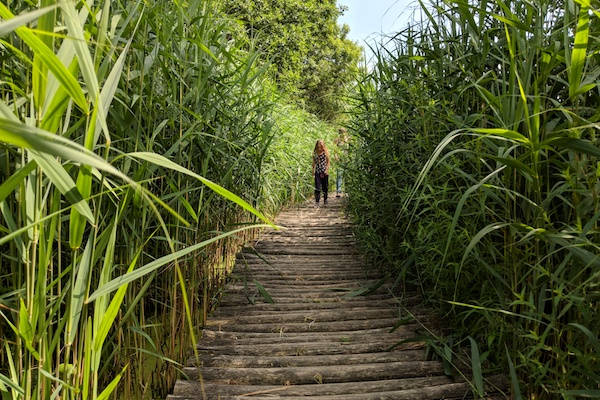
[(311, 56)]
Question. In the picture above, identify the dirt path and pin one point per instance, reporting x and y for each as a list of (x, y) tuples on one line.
[(313, 340)]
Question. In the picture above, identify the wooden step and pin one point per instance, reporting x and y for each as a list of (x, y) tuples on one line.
[(308, 326), (372, 306), (307, 349), (343, 336), (240, 297), (192, 388), (316, 374), (350, 314), (360, 301), (240, 361)]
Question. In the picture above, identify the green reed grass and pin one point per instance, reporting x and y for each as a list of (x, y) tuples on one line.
[(125, 128), (475, 175)]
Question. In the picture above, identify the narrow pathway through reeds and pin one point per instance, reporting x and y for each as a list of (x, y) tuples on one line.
[(303, 331)]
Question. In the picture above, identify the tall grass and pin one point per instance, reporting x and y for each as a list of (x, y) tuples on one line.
[(125, 128), (475, 175), (287, 158)]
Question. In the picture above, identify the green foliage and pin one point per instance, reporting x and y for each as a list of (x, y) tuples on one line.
[(475, 174), (138, 140), (312, 58)]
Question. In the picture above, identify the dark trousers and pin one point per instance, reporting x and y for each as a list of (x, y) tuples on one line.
[(321, 184)]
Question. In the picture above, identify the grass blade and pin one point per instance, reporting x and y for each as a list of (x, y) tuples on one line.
[(14, 386), (50, 60), (11, 24), (514, 381), (63, 181), (105, 394), (15, 180), (78, 292), (578, 56), (476, 367), (263, 292)]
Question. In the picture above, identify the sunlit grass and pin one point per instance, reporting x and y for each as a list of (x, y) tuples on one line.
[(474, 173), (125, 130)]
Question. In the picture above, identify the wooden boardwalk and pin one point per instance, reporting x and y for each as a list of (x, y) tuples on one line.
[(314, 340)]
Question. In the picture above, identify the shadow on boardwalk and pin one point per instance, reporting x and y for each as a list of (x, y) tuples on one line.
[(313, 340)]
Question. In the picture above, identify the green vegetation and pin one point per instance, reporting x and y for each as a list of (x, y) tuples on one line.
[(127, 127), (310, 53), (474, 174), (113, 240)]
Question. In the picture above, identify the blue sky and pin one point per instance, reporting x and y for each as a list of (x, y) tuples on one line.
[(369, 18)]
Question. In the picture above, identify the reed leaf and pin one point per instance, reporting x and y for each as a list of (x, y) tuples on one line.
[(11, 24), (51, 61)]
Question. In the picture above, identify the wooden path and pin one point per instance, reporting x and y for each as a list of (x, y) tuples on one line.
[(313, 341)]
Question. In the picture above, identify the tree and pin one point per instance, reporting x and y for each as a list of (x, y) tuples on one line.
[(312, 58)]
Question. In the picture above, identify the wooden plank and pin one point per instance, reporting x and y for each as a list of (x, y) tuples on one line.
[(191, 388), (239, 361), (316, 374)]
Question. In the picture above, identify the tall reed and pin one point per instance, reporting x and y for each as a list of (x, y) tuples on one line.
[(124, 129), (475, 175)]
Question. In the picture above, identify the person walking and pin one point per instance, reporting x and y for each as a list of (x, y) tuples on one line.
[(320, 167)]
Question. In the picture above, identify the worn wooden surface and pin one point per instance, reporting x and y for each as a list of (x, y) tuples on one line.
[(314, 341)]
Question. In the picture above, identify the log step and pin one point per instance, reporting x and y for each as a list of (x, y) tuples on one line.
[(316, 374), (238, 361), (309, 349), (248, 309), (190, 388)]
